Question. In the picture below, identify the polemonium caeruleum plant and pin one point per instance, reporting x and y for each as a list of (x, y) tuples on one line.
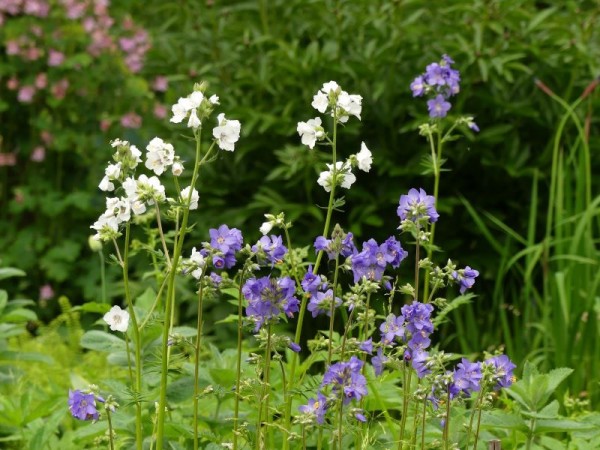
[(380, 328)]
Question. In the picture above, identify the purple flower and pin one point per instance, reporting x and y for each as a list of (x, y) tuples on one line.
[(268, 298), (393, 252), (418, 362), (348, 247), (392, 328), (317, 406), (466, 278), (324, 244), (320, 303), (418, 317), (418, 86), (435, 75), (360, 416), (216, 279), (271, 247), (504, 370), (347, 378), (473, 126), (466, 378), (378, 361), (226, 241), (374, 258), (312, 282), (367, 346), (294, 347), (83, 406), (438, 107), (417, 205)]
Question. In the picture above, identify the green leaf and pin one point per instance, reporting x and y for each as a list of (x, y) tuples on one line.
[(3, 300), (9, 272), (93, 307), (231, 318), (101, 341)]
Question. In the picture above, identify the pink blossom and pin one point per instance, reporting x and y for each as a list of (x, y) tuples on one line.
[(105, 125), (55, 58), (12, 7), (38, 154), (46, 292), (46, 137), (160, 111), (12, 47), (131, 120), (89, 23), (12, 83), (74, 8), (36, 30), (33, 53), (160, 84), (127, 44), (41, 80), (8, 159), (26, 94), (101, 7), (37, 8), (59, 89)]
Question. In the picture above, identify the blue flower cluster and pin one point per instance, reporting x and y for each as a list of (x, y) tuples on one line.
[(224, 243), (270, 248), (374, 258), (440, 81), (268, 298)]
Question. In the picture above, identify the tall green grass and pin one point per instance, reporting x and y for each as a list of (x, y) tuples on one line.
[(546, 300)]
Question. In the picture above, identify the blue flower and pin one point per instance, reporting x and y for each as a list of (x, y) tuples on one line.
[(225, 242), (440, 81), (466, 278), (83, 406), (378, 361), (320, 303), (466, 378), (271, 248), (347, 378), (504, 370), (438, 107), (268, 298), (317, 406), (417, 205), (392, 328)]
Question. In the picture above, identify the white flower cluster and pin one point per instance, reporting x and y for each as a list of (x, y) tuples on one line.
[(194, 265), (126, 154), (341, 105), (196, 107), (160, 155)]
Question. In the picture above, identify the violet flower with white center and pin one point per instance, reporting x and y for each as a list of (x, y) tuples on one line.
[(417, 205), (438, 107), (392, 328), (82, 405), (378, 361), (316, 407)]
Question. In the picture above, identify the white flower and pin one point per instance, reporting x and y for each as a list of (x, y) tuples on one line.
[(266, 227), (196, 98), (130, 186), (197, 263), (349, 105), (320, 102), (310, 131), (160, 155), (364, 158), (185, 194), (344, 176), (137, 206), (117, 319), (113, 171), (105, 185), (194, 121), (106, 228), (181, 109), (330, 86), (135, 155), (119, 208), (118, 142), (177, 168), (226, 133), (214, 99), (150, 190)]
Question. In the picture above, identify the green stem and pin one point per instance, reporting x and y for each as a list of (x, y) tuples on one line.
[(110, 430), (136, 342), (447, 422), (169, 304), (130, 367), (238, 368), (267, 386), (436, 155), (161, 234), (301, 313), (417, 256), (103, 276), (197, 365), (478, 426), (423, 424), (478, 404), (332, 310), (405, 389), (340, 420)]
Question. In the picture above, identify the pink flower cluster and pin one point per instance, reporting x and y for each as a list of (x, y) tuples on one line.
[(38, 8), (135, 47)]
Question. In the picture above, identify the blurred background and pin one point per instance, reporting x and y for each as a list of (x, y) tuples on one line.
[(518, 202)]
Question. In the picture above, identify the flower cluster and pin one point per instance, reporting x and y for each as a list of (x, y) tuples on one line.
[(417, 206), (195, 264), (341, 105), (347, 379), (224, 243), (270, 248), (440, 82), (374, 258), (269, 297)]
